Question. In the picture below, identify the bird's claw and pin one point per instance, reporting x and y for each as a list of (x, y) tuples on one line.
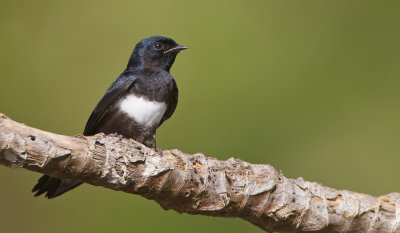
[(160, 151), (116, 135)]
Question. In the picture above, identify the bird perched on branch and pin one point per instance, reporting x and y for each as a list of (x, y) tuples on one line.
[(135, 105)]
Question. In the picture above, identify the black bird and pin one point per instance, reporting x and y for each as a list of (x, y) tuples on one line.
[(135, 105)]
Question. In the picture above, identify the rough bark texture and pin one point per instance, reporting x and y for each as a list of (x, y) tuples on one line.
[(197, 184)]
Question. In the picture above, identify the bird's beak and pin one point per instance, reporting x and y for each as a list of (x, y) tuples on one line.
[(176, 49)]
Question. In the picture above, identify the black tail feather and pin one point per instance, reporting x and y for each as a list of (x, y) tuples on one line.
[(53, 187)]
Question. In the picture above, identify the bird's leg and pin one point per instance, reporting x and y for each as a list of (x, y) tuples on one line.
[(151, 142)]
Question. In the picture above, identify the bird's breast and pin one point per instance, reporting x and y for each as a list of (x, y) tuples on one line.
[(145, 112)]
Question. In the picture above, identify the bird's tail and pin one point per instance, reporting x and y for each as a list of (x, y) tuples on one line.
[(53, 187)]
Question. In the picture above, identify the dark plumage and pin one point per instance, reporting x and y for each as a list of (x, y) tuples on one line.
[(135, 105)]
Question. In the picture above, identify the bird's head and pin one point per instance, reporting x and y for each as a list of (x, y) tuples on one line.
[(155, 52)]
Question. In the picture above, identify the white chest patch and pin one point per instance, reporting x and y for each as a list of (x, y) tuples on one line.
[(143, 111)]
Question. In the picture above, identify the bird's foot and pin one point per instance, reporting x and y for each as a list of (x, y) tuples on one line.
[(160, 151), (116, 135)]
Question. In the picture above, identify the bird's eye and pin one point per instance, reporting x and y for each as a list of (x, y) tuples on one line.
[(158, 46)]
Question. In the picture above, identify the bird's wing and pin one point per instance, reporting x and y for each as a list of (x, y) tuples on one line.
[(172, 102), (117, 89)]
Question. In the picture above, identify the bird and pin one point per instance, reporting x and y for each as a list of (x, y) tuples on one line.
[(134, 106)]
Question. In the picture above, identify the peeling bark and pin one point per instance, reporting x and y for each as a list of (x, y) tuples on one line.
[(196, 184)]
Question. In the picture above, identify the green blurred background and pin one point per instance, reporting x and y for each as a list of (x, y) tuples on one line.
[(311, 87)]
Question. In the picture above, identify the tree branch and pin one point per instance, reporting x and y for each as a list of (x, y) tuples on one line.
[(196, 184)]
